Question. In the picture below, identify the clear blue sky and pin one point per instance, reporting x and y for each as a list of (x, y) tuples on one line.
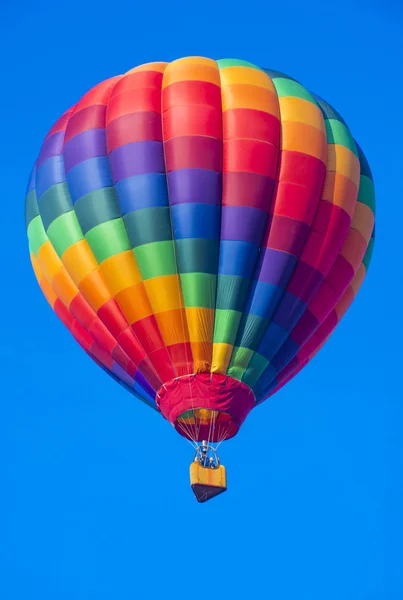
[(89, 509)]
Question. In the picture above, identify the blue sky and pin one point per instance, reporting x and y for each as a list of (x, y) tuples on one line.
[(94, 498)]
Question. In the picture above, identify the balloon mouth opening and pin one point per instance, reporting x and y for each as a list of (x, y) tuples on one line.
[(205, 406), (200, 424)]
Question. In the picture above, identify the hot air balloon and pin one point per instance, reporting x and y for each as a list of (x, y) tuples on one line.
[(201, 227)]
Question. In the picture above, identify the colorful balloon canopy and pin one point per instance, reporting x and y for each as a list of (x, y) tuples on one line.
[(201, 227)]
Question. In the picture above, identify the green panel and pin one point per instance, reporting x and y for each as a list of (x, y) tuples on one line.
[(338, 133), (232, 292), (226, 326), (288, 87), (256, 368), (366, 192), (97, 207), (148, 225), (241, 358), (64, 232), (235, 62), (196, 255), (368, 254), (199, 289), (31, 207), (54, 202), (108, 239), (156, 259), (36, 234)]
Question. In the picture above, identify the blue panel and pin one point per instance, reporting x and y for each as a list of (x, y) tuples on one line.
[(88, 176), (268, 376), (264, 299), (142, 191), (285, 354), (200, 221), (49, 173), (272, 340), (289, 311), (237, 258)]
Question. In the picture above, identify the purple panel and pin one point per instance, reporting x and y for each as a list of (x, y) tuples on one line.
[(200, 186), (89, 144), (306, 326), (137, 158), (305, 282), (289, 311), (243, 223), (52, 146), (141, 380), (121, 373), (276, 267)]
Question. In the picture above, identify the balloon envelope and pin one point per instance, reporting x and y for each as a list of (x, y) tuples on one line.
[(200, 227)]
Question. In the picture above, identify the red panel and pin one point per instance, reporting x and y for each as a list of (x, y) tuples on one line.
[(63, 313), (102, 336), (147, 332), (148, 371), (287, 235), (304, 281), (251, 156), (181, 357), (161, 361), (99, 94), (323, 302), (302, 169), (294, 201), (131, 346), (193, 152), (112, 316), (247, 189), (83, 337), (61, 123), (134, 101), (138, 79), (304, 328), (251, 124), (82, 311), (191, 92), (92, 117), (192, 120), (340, 275), (102, 356), (136, 127)]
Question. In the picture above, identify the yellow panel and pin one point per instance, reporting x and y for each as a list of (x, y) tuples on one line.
[(221, 356), (95, 290), (36, 267), (49, 261), (342, 160), (64, 287), (202, 354), (153, 66), (120, 271), (79, 261), (191, 71), (48, 292), (206, 476), (173, 326), (363, 220), (303, 111), (164, 293), (248, 75), (134, 303), (201, 324), (240, 95), (300, 137)]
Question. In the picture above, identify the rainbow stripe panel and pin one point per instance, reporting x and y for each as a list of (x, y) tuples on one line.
[(200, 216)]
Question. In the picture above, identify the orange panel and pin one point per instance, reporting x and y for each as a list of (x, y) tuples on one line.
[(134, 303), (354, 248), (164, 293), (341, 191), (248, 75), (173, 326), (64, 287), (300, 137), (242, 95), (363, 220), (95, 290), (358, 279), (153, 66), (179, 71)]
